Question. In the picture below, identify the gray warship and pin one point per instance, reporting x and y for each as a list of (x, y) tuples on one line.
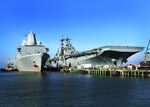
[(106, 55), (31, 56)]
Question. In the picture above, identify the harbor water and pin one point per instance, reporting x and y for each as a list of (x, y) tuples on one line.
[(55, 89)]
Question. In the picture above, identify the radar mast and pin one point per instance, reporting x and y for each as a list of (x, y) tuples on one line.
[(62, 45)]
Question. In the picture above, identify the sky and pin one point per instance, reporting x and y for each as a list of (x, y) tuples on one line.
[(89, 24)]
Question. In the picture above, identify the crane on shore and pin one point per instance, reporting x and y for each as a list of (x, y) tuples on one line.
[(146, 63)]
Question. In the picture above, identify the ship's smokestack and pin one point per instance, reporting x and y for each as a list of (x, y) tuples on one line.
[(31, 39)]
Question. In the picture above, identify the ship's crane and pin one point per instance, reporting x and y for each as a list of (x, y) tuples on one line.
[(148, 47), (146, 63), (147, 51)]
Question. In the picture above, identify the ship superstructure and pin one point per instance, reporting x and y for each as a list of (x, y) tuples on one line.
[(31, 56), (106, 55)]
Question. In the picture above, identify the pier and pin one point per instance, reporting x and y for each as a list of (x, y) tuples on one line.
[(103, 72), (125, 73)]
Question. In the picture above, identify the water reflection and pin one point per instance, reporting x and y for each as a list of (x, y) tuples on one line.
[(65, 89)]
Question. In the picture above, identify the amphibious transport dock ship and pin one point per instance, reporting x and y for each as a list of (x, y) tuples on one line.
[(31, 56), (106, 55)]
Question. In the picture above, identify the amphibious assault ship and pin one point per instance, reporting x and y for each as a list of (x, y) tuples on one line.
[(106, 55), (31, 56)]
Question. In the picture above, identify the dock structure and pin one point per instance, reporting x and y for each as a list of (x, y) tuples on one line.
[(103, 72), (126, 73)]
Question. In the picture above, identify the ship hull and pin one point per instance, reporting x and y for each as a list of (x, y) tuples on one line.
[(31, 63), (98, 60), (107, 55)]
